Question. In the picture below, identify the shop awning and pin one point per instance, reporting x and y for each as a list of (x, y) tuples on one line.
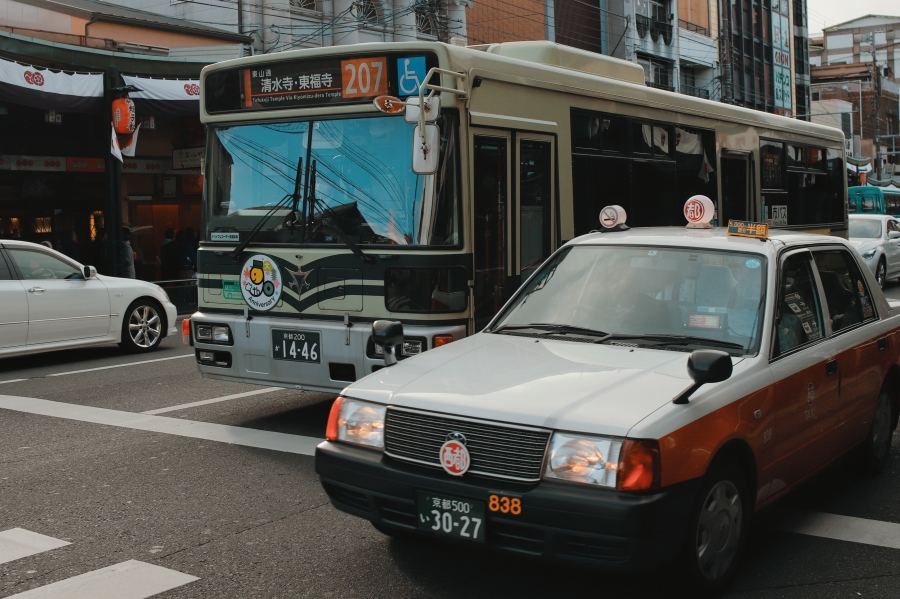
[(50, 90), (859, 160), (893, 183), (174, 97), (866, 168)]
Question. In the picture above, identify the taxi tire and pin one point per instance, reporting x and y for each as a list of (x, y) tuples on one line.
[(725, 477), (873, 454)]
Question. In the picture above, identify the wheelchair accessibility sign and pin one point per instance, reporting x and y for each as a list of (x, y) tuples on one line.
[(411, 73)]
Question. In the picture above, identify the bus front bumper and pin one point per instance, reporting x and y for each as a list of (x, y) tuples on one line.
[(344, 353), (559, 521)]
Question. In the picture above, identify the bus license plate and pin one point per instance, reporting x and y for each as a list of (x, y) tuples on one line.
[(447, 516), (296, 346)]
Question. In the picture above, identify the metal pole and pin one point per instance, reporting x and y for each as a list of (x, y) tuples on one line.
[(113, 217)]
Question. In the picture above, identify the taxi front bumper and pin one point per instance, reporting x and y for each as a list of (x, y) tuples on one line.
[(559, 521)]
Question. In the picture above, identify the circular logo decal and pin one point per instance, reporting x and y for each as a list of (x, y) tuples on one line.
[(699, 209), (454, 458), (261, 282), (611, 216), (192, 89), (752, 263)]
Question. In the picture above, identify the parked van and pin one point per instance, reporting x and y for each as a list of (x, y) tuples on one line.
[(865, 199)]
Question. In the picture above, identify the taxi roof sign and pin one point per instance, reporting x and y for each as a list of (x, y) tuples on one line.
[(746, 228)]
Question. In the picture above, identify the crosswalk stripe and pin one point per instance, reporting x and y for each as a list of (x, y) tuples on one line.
[(834, 526), (17, 543), (236, 435), (195, 404), (127, 580)]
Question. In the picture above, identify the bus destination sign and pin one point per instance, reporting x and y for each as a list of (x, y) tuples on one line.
[(318, 81), (293, 84)]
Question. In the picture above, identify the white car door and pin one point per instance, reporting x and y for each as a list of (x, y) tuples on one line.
[(892, 250), (62, 306), (13, 308)]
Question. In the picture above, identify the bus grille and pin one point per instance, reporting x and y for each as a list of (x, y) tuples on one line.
[(496, 451)]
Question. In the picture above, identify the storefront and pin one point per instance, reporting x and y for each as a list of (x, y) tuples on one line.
[(57, 173)]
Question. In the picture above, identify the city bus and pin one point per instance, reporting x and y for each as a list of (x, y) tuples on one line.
[(868, 199), (319, 216)]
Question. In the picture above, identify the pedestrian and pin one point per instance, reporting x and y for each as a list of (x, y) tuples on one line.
[(99, 251), (186, 266), (168, 257), (126, 255), (192, 245), (69, 246)]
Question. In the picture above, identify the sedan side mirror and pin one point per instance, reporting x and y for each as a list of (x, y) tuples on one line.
[(388, 334), (893, 234), (88, 272), (705, 366)]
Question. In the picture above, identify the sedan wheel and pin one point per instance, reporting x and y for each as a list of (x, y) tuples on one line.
[(879, 274), (719, 530), (143, 327)]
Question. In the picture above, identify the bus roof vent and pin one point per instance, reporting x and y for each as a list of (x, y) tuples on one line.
[(557, 55)]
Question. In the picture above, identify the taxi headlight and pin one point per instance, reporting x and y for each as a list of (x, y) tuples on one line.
[(868, 255), (357, 422), (583, 459)]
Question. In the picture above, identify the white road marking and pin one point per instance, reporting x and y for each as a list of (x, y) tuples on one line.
[(236, 435), (17, 543), (122, 365), (833, 526), (204, 402), (12, 381), (127, 580)]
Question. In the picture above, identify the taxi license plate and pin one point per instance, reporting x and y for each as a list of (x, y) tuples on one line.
[(296, 346), (448, 516)]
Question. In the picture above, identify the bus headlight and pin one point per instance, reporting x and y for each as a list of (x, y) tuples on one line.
[(357, 422)]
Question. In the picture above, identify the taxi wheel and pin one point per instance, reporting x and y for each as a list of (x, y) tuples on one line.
[(880, 273), (718, 531), (873, 454)]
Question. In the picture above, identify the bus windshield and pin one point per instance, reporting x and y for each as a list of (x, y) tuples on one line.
[(354, 179)]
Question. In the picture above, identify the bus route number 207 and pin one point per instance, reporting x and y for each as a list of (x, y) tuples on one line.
[(364, 77), (296, 346)]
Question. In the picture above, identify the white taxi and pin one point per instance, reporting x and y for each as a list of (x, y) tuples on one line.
[(641, 396)]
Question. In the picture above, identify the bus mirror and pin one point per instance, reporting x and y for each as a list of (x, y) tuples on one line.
[(425, 150), (432, 109), (389, 104)]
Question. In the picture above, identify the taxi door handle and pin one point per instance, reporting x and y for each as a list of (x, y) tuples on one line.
[(36, 290), (830, 367)]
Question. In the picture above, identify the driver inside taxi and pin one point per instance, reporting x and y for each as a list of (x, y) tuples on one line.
[(36, 271)]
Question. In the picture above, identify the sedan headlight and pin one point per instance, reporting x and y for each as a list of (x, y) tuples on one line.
[(357, 422), (165, 295), (584, 459), (870, 254)]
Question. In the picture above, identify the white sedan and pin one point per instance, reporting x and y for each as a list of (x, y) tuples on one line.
[(877, 239), (50, 302)]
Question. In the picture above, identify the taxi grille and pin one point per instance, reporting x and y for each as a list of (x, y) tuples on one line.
[(496, 451)]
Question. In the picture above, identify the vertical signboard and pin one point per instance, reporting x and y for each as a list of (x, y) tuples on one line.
[(782, 84)]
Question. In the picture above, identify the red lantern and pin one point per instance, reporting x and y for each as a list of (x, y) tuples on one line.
[(123, 116)]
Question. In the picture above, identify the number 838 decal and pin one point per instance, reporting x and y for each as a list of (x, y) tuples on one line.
[(504, 504)]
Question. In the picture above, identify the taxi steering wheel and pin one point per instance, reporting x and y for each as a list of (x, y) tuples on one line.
[(43, 273)]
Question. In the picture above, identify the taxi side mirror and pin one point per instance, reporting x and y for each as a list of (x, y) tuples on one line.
[(705, 366), (388, 334), (893, 234), (88, 272)]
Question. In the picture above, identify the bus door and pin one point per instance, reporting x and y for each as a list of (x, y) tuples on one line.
[(491, 192), (535, 209), (738, 202)]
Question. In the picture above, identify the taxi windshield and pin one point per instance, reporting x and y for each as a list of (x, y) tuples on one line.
[(672, 298), (865, 228)]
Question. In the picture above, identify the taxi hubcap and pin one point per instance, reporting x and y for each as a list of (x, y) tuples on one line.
[(719, 529), (144, 326), (880, 274), (881, 426)]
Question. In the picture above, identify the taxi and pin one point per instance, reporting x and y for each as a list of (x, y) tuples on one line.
[(640, 397)]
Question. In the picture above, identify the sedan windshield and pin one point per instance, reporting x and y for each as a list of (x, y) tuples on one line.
[(868, 228), (675, 298), (353, 178)]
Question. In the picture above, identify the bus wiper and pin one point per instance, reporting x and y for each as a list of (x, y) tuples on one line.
[(332, 220), (665, 339), (551, 328), (236, 254)]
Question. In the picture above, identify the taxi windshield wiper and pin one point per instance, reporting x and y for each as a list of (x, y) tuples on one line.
[(550, 329), (664, 339)]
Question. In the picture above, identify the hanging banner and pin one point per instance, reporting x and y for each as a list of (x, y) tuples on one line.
[(174, 97), (43, 88)]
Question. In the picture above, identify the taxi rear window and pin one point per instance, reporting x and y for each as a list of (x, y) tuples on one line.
[(619, 290)]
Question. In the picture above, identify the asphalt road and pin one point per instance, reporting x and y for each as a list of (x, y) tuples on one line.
[(148, 503)]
